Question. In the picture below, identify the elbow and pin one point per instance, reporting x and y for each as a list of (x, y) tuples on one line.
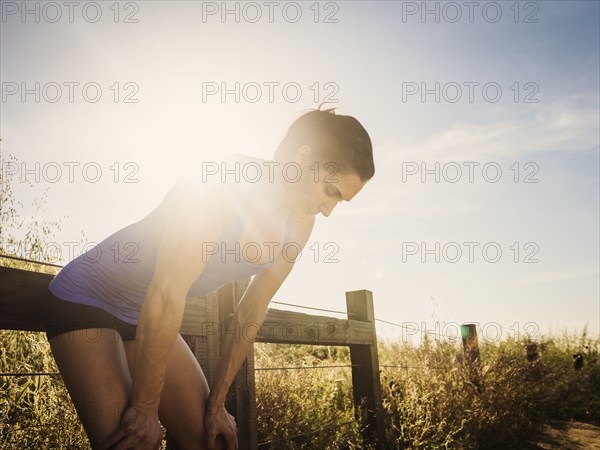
[(251, 312), (164, 300), (244, 313)]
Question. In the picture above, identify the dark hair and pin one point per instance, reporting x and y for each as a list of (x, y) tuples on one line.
[(333, 138)]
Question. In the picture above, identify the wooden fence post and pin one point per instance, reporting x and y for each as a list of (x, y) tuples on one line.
[(365, 370), (532, 351), (471, 352), (470, 342)]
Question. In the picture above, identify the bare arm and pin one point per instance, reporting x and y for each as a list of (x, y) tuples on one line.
[(179, 262), (252, 309)]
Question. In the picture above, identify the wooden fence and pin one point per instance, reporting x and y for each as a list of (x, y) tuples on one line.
[(206, 324)]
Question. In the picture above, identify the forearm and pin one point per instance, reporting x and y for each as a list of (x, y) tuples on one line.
[(157, 329), (251, 310), (239, 339)]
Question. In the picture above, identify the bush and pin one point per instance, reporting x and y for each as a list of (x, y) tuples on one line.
[(302, 408), (36, 411), (436, 400)]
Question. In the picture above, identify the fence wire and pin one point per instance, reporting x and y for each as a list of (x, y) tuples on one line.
[(308, 433), (29, 374), (17, 258), (402, 366), (308, 367), (424, 332)]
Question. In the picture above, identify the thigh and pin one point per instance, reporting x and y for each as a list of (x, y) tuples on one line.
[(181, 409), (93, 366)]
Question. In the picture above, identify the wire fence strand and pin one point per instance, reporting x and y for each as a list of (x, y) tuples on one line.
[(29, 374), (308, 367), (17, 258), (402, 366), (308, 433), (313, 308), (424, 332)]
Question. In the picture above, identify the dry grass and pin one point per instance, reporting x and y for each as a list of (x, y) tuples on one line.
[(437, 402)]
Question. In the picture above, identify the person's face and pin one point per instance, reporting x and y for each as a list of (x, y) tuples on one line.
[(320, 187)]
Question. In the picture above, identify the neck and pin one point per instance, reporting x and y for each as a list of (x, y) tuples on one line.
[(273, 191)]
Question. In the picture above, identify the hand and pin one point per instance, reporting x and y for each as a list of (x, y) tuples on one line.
[(139, 429), (219, 423)]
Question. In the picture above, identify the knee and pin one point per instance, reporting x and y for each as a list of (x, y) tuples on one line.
[(192, 439), (189, 437), (185, 442)]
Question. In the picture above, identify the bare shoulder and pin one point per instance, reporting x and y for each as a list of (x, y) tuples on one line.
[(198, 198)]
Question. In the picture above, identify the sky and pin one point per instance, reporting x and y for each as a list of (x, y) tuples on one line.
[(484, 121)]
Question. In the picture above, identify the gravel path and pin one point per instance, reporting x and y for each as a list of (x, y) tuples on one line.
[(571, 435)]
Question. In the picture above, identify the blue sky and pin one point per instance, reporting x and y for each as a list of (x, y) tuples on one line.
[(370, 55)]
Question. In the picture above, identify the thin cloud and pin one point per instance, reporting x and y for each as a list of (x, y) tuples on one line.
[(559, 275), (569, 125)]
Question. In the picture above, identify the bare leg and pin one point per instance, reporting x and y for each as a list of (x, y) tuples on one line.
[(181, 409), (93, 366)]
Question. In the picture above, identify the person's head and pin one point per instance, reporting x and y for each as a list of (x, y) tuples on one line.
[(335, 155), (333, 138)]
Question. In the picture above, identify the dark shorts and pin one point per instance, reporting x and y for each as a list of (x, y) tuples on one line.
[(63, 316)]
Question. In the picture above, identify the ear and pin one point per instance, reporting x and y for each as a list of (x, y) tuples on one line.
[(303, 154), (304, 150)]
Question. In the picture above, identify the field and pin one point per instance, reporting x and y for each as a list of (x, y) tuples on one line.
[(432, 398)]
